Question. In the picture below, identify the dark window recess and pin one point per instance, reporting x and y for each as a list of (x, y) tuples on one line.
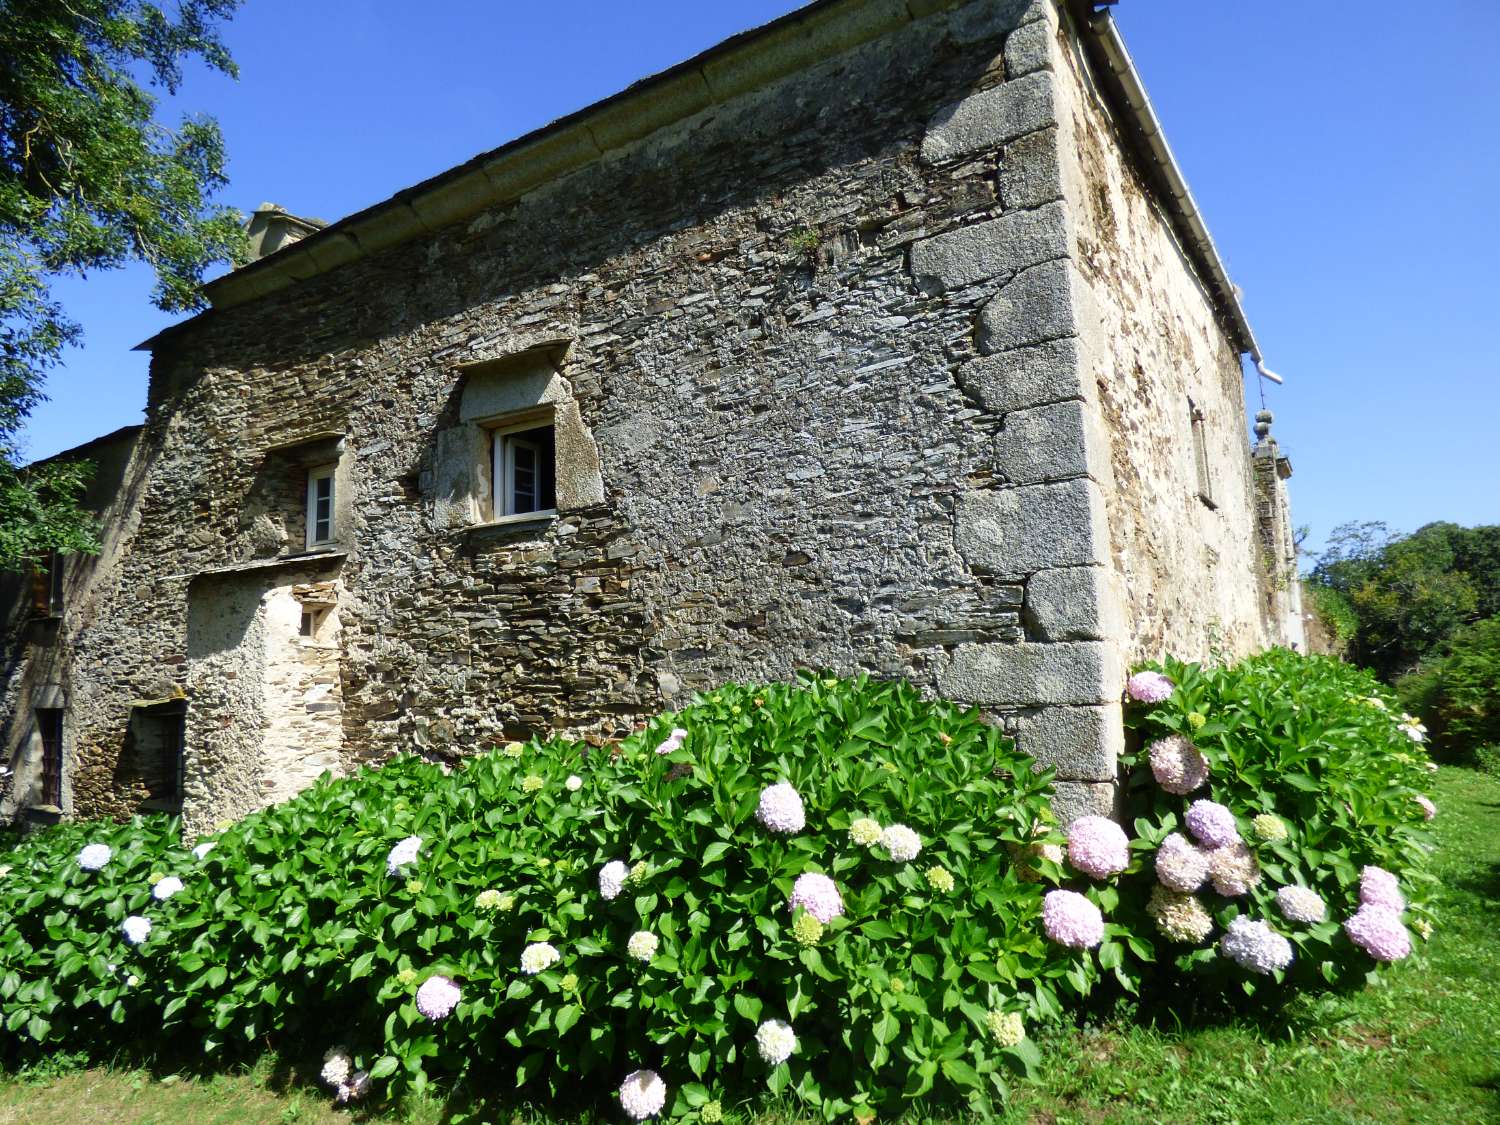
[(160, 736), (47, 585), (49, 724), (530, 471)]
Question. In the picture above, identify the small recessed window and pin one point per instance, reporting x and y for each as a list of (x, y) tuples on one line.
[(525, 470), (47, 585), (320, 506), (49, 725), (1200, 454)]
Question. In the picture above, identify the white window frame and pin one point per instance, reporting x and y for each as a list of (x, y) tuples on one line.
[(502, 466), (314, 476)]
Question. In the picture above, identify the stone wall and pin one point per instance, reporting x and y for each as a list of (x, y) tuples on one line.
[(827, 391), (1187, 572)]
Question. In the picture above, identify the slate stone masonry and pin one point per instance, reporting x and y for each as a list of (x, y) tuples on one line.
[(819, 341)]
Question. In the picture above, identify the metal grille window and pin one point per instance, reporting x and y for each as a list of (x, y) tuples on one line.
[(49, 723)]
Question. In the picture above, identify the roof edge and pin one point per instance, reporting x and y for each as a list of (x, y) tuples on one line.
[(740, 64), (1130, 95)]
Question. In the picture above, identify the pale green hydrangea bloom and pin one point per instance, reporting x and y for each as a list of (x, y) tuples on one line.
[(940, 879), (1196, 720), (415, 886), (569, 982), (1006, 1027), (488, 900), (642, 945), (865, 832), (512, 750), (711, 1112), (406, 978), (637, 872), (806, 929), (1269, 828), (531, 783)]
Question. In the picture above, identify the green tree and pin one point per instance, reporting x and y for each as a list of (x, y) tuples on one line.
[(89, 180)]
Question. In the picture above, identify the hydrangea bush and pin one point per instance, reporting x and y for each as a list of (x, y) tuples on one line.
[(832, 889), (1279, 823)]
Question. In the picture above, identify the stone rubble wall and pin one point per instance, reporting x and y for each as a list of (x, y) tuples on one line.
[(1188, 579), (827, 344)]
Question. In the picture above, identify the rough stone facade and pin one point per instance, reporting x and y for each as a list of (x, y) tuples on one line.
[(864, 345)]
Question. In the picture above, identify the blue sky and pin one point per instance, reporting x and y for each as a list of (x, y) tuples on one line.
[(1346, 158)]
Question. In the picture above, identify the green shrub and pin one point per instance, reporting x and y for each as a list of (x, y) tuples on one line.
[(1458, 694), (290, 930), (1314, 743)]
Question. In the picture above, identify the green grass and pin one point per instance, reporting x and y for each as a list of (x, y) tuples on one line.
[(1421, 1046)]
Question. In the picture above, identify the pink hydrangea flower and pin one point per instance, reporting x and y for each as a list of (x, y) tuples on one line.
[(1255, 946), (1098, 846), (780, 808), (1379, 932), (1378, 887), (673, 742), (818, 895), (1429, 810), (1070, 919), (1180, 865), (1233, 869), (1212, 824), (437, 997), (1149, 687), (1178, 766)]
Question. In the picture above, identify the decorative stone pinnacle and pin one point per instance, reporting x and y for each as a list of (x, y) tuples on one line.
[(1263, 420)]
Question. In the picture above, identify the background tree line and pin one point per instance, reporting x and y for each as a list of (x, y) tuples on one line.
[(1423, 611)]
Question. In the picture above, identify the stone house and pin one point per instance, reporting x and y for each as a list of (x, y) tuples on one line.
[(883, 338)]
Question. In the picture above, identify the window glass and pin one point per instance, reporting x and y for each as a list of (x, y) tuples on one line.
[(525, 471), (320, 506)]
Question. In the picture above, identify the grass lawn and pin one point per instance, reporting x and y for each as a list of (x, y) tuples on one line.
[(1423, 1046)]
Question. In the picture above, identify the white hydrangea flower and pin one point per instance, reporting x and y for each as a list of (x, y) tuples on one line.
[(574, 783), (137, 929), (403, 853), (94, 856), (643, 945), (780, 809), (903, 844), (612, 877), (643, 1094), (775, 1041), (204, 848), (337, 1066), (537, 956), (166, 888)]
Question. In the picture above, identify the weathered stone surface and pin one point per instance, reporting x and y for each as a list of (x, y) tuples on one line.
[(1073, 799), (1028, 675), (1028, 49), (1044, 443), (999, 248), (1018, 531), (1071, 603), (984, 121), (1036, 306), (1030, 174), (1081, 743), (1024, 377)]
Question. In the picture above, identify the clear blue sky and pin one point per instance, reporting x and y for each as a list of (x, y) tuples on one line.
[(1346, 156)]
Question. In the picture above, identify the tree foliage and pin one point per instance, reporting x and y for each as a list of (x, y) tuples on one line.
[(1410, 594), (90, 180)]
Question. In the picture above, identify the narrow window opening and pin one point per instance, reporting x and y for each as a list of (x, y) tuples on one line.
[(320, 506), (172, 733), (47, 585), (49, 723), (1200, 454), (525, 470)]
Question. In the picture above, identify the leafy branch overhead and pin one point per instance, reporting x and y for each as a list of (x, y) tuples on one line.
[(90, 180)]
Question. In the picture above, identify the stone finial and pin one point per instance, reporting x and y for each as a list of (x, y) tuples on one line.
[(270, 227), (1263, 420)]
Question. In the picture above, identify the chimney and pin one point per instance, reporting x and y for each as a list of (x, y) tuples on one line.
[(271, 227)]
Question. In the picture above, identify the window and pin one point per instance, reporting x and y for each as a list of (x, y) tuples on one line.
[(1200, 454), (47, 585), (171, 731), (49, 725), (320, 506), (525, 469)]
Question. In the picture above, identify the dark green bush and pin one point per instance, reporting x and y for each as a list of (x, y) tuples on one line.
[(1315, 743), (291, 932), (1458, 694)]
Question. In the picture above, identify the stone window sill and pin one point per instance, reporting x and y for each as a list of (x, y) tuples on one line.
[(520, 525), (301, 559)]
